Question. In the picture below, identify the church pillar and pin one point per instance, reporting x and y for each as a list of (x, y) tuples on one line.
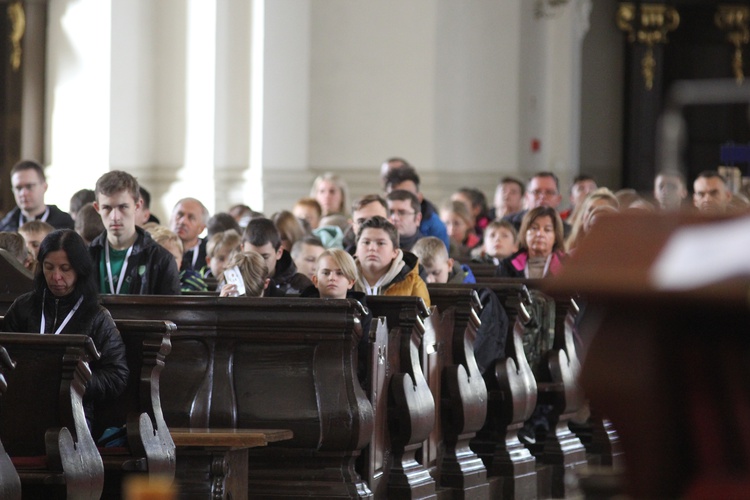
[(78, 96), (286, 104), (233, 104), (551, 88), (646, 26)]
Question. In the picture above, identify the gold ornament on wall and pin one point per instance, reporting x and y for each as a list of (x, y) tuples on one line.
[(17, 18), (647, 24), (734, 20)]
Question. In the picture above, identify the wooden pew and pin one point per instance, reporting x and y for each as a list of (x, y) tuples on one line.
[(221, 452), (463, 393), (16, 278), (376, 459), (602, 444), (268, 363), (547, 344), (150, 448), (411, 407), (42, 423), (444, 451), (512, 394), (10, 483), (482, 270)]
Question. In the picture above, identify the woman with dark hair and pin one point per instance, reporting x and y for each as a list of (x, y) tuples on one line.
[(541, 246), (65, 300)]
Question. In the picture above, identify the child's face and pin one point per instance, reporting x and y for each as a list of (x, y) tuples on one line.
[(456, 226), (33, 239), (439, 271), (375, 250), (175, 251), (499, 242), (218, 261), (307, 259), (330, 280)]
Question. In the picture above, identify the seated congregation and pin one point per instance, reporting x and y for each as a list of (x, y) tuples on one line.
[(397, 350)]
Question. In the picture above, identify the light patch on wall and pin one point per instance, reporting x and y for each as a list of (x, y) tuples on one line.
[(78, 99)]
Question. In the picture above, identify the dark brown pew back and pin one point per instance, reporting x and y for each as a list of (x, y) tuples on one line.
[(149, 444), (10, 483), (268, 363), (42, 424)]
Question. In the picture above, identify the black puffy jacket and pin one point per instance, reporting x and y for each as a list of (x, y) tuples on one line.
[(110, 372)]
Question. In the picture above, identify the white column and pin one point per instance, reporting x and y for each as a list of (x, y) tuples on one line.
[(195, 176), (78, 96), (132, 99), (561, 130), (233, 97), (286, 103)]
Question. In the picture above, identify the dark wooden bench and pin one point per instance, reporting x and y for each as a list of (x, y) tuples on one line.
[(223, 452), (16, 278), (10, 483), (410, 409), (264, 363), (482, 270), (549, 346), (601, 440), (450, 373), (42, 423), (512, 395), (149, 446)]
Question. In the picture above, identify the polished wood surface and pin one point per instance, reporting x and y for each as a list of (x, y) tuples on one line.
[(234, 438), (668, 367), (51, 424), (256, 363)]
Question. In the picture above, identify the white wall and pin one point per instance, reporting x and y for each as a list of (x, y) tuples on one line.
[(459, 89)]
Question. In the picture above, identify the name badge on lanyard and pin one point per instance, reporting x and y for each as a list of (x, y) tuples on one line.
[(121, 276), (65, 321)]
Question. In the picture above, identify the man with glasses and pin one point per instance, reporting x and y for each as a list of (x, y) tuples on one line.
[(406, 178), (404, 213), (29, 185), (543, 190)]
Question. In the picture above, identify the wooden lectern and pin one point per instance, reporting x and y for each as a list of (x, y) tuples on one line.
[(669, 362)]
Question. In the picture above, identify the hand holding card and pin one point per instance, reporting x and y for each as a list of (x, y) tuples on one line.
[(233, 277)]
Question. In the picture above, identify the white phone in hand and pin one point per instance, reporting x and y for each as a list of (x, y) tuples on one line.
[(233, 277)]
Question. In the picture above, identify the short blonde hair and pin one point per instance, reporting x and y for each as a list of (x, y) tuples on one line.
[(36, 226), (430, 249), (253, 269), (343, 260), (229, 238), (163, 236), (339, 183)]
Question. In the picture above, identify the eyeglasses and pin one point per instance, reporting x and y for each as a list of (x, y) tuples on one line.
[(543, 192), (27, 187), (401, 213)]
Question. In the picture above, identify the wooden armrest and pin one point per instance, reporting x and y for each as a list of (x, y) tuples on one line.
[(550, 386), (234, 438)]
